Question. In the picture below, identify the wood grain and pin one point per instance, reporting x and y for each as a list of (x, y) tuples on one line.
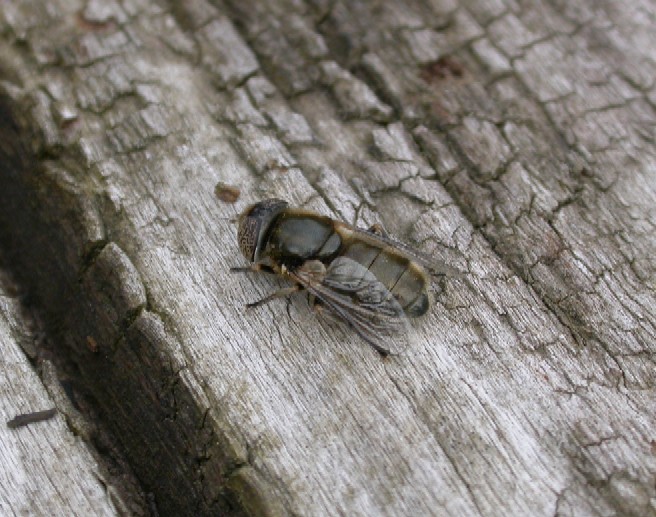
[(47, 470), (512, 142)]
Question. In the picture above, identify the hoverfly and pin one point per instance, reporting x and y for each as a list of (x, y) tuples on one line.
[(362, 277)]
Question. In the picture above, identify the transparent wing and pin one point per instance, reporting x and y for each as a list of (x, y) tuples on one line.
[(352, 293)]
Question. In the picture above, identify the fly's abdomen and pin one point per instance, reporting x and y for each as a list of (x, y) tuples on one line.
[(406, 280), (412, 289)]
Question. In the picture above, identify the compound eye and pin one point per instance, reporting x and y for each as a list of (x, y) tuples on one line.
[(254, 223), (247, 236)]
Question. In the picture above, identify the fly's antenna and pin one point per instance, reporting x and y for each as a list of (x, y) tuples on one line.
[(231, 220)]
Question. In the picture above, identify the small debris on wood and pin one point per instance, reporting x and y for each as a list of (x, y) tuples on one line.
[(94, 25), (442, 69), (30, 418), (92, 344), (277, 165), (226, 193)]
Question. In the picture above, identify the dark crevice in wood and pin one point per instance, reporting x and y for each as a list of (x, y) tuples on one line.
[(119, 377)]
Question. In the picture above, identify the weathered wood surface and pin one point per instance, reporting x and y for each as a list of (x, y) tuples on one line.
[(512, 140), (46, 470)]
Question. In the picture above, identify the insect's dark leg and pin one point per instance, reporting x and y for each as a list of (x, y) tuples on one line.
[(281, 293), (253, 268), (315, 304), (377, 229)]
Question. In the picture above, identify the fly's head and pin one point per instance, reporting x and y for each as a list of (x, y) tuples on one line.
[(254, 223)]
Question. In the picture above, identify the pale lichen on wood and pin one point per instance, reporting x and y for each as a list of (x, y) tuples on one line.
[(512, 142)]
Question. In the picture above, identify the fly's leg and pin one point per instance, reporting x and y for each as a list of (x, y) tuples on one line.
[(315, 304), (377, 229), (258, 267), (281, 293), (253, 268)]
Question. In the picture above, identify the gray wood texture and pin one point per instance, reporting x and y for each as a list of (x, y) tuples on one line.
[(513, 141), (46, 470)]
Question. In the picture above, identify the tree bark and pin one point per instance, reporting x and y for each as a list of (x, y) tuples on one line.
[(514, 142)]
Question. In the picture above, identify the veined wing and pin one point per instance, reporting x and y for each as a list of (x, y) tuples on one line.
[(430, 264), (352, 293)]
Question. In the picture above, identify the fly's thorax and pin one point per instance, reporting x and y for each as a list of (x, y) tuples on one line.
[(254, 225), (298, 236)]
